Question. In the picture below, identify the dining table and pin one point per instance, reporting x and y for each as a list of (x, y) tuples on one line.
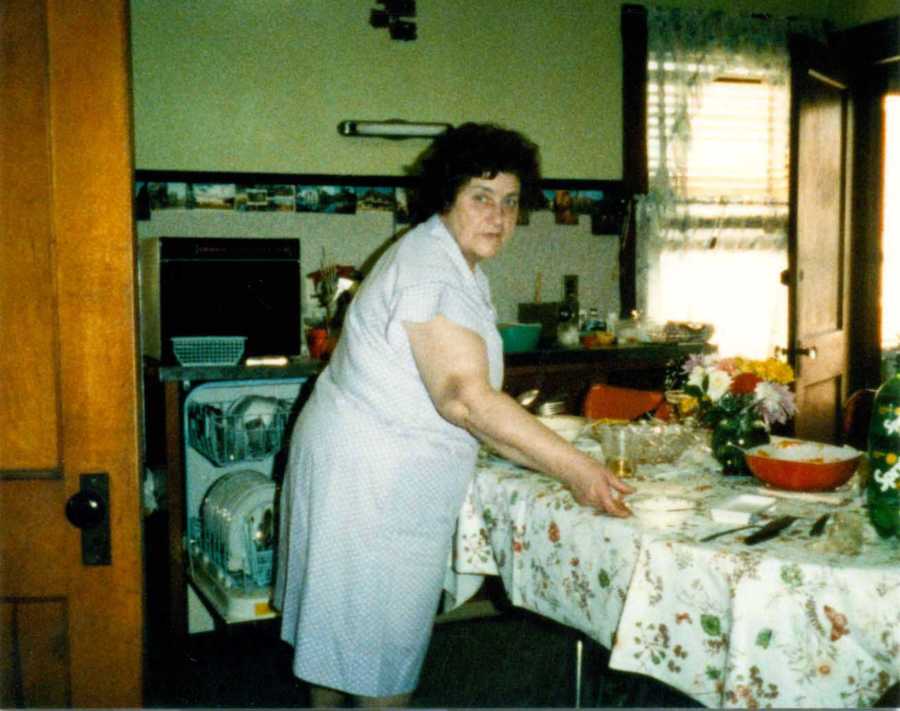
[(807, 618)]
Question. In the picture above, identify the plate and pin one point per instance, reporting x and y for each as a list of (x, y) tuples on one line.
[(662, 510)]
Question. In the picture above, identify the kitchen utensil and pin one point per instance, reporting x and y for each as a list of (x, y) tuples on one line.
[(818, 528), (770, 530), (551, 407), (800, 465), (527, 398), (719, 534)]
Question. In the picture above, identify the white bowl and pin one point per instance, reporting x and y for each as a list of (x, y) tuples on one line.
[(566, 426)]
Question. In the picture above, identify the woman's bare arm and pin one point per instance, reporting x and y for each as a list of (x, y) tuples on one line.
[(452, 361)]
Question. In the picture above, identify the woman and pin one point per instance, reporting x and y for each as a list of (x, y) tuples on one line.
[(382, 453)]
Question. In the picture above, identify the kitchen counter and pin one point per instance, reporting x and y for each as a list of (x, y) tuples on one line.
[(295, 368), (609, 355), (567, 374)]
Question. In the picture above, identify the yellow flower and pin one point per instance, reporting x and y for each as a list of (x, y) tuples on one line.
[(687, 404), (771, 369), (891, 458)]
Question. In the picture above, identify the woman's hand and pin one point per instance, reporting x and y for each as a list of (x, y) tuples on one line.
[(603, 490)]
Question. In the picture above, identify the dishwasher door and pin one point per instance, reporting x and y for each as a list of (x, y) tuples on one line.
[(237, 435)]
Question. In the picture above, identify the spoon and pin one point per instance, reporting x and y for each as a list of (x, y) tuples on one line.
[(527, 398)]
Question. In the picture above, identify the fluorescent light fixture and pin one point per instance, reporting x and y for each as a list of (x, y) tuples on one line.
[(392, 129)]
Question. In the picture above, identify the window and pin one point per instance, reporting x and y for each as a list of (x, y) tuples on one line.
[(720, 248), (708, 92)]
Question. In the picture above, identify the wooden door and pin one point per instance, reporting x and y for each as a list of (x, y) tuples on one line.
[(70, 634), (818, 241)]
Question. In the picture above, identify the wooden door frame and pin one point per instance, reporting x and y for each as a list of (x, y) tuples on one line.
[(864, 49), (71, 398)]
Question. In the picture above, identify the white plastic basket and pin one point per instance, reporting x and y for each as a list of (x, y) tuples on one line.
[(208, 350)]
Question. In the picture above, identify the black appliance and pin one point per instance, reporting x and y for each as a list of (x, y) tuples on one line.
[(221, 287)]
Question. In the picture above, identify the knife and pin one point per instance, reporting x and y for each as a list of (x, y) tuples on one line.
[(818, 528), (717, 534), (770, 530)]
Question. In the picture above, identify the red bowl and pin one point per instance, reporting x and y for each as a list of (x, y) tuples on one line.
[(799, 465)]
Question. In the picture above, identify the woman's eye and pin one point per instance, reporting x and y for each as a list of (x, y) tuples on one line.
[(511, 202)]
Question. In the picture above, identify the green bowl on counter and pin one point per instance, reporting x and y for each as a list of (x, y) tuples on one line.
[(519, 337)]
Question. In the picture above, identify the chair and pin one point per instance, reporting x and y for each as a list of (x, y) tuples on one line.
[(604, 401), (855, 419)]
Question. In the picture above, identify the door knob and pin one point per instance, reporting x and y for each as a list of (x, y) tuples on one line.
[(85, 509), (88, 510)]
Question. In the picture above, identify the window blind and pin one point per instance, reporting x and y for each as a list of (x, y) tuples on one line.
[(731, 181)]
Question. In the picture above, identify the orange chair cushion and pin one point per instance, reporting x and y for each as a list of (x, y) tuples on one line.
[(613, 402)]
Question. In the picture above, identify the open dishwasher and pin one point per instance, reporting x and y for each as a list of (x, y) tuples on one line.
[(237, 436)]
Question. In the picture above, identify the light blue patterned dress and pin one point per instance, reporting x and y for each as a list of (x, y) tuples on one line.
[(377, 477)]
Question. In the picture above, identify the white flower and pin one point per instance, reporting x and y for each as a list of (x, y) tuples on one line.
[(892, 426), (776, 402), (888, 479), (719, 382), (696, 376)]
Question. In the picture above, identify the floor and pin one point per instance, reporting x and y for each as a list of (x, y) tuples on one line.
[(489, 655)]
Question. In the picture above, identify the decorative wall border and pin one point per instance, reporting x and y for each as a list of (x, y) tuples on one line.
[(605, 201)]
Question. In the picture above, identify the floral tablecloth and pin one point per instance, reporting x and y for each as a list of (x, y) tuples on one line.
[(795, 621)]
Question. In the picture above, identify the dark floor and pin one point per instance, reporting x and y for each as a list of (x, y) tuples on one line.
[(509, 659)]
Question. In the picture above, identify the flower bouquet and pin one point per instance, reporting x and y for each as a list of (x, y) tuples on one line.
[(739, 400)]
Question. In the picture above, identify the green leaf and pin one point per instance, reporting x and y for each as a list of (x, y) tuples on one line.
[(713, 673), (763, 638), (603, 579), (711, 625)]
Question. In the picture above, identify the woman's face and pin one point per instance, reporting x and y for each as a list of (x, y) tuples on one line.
[(483, 216)]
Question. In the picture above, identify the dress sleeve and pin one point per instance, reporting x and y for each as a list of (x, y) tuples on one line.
[(422, 302)]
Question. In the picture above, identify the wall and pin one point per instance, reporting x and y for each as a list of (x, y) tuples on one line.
[(848, 14), (241, 85), (244, 85), (543, 246)]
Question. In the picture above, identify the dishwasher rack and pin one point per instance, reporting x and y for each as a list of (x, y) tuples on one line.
[(237, 437)]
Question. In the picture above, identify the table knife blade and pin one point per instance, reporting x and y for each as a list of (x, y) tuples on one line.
[(718, 534), (770, 530)]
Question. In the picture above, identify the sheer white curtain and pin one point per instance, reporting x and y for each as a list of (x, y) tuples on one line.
[(712, 229)]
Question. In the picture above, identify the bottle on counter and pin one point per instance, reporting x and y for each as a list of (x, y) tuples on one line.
[(567, 329), (593, 322), (883, 485)]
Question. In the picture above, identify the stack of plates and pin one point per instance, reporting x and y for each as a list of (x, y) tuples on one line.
[(238, 520)]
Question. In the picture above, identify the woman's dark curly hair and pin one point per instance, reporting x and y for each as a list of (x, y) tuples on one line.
[(472, 150)]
